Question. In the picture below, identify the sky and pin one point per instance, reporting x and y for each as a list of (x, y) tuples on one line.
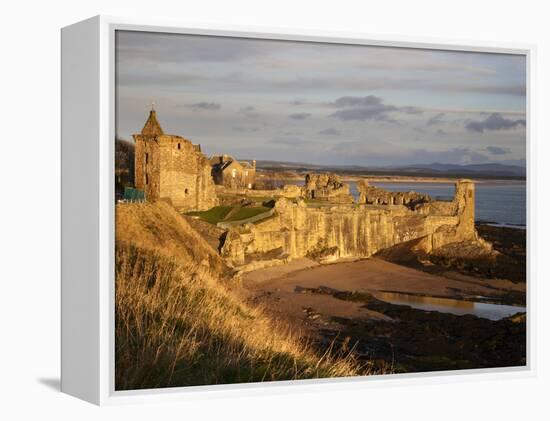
[(324, 103)]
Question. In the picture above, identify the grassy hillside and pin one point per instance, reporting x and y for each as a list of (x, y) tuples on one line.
[(177, 324)]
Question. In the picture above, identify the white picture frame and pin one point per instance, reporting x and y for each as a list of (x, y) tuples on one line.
[(88, 133)]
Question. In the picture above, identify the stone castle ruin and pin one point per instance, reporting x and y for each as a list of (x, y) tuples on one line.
[(356, 231), (327, 187), (319, 220), (372, 195), (171, 168)]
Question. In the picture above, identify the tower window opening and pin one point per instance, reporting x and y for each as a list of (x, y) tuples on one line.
[(179, 145), (146, 178), (146, 158)]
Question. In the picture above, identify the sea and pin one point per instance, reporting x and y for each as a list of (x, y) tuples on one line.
[(499, 203)]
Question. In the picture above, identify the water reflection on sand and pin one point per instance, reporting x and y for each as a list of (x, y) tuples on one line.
[(449, 305)]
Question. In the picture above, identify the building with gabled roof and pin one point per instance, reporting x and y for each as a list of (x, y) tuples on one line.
[(229, 172)]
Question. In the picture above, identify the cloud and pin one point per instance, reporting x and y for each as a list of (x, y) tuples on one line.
[(436, 119), (299, 116), (494, 122), (206, 106), (361, 114), (367, 108), (411, 110), (393, 82), (250, 112), (367, 88), (290, 141), (354, 101), (497, 150), (243, 129), (330, 132), (377, 153), (155, 47)]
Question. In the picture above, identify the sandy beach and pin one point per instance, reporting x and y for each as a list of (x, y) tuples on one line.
[(278, 285)]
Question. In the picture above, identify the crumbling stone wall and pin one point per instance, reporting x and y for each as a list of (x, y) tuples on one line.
[(354, 231), (376, 196), (327, 187)]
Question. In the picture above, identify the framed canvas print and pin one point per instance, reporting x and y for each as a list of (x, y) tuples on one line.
[(244, 210)]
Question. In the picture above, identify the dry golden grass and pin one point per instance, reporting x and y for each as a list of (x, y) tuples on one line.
[(178, 325), (161, 229)]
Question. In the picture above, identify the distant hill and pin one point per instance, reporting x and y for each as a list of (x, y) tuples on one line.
[(489, 170)]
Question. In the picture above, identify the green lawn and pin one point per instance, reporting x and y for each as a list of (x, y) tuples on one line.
[(244, 213), (214, 215), (219, 213)]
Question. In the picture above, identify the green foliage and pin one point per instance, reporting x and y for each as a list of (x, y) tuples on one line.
[(124, 164)]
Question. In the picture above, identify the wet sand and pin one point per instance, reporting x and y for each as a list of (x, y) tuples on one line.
[(371, 275), (280, 289), (340, 305)]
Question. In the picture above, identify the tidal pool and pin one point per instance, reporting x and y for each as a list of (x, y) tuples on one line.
[(449, 305)]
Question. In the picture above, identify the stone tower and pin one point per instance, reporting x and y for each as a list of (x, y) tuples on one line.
[(171, 168), (465, 202)]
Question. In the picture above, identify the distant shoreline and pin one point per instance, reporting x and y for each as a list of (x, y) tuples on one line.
[(437, 180), (390, 178)]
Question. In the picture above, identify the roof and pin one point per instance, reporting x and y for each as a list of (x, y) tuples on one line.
[(246, 164), (222, 162), (152, 126), (222, 165), (215, 160)]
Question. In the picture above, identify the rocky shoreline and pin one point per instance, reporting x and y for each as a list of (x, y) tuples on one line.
[(411, 340), (509, 263)]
